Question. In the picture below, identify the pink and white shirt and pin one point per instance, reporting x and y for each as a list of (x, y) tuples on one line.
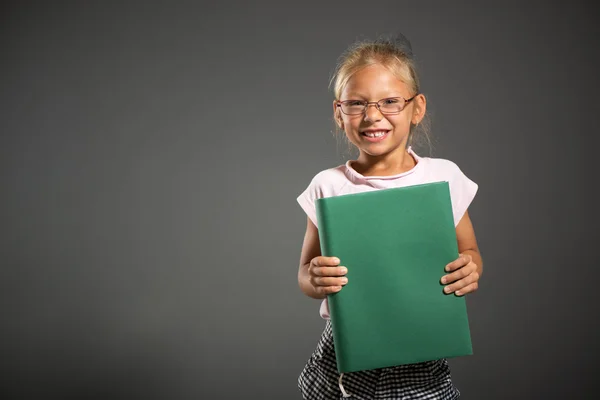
[(345, 180)]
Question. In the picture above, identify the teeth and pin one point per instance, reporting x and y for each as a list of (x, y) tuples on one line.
[(375, 134)]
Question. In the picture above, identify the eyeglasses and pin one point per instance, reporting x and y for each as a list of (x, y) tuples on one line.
[(391, 105)]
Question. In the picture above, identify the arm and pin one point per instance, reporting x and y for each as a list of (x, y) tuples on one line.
[(466, 270), (467, 242), (318, 276)]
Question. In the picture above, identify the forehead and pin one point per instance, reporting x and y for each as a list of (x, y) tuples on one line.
[(375, 82)]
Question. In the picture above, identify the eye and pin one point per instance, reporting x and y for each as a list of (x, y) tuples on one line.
[(352, 103), (391, 101)]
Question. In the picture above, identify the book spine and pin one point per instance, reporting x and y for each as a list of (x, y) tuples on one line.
[(323, 221), (322, 225)]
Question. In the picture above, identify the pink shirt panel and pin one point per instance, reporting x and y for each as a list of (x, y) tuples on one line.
[(345, 180)]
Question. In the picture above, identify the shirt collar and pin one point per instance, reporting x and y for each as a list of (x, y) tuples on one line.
[(355, 176)]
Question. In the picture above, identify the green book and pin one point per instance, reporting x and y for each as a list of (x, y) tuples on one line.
[(395, 244)]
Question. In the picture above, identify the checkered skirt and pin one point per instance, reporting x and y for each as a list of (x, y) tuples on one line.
[(319, 379)]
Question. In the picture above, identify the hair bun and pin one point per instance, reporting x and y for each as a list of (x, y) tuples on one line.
[(403, 43), (399, 41)]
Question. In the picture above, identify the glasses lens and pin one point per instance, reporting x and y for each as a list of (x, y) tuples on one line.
[(394, 105), (353, 107)]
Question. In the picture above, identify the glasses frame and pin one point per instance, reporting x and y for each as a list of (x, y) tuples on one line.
[(377, 104)]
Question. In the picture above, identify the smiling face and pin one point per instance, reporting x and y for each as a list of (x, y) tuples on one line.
[(373, 133)]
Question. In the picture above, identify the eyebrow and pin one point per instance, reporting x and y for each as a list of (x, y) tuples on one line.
[(357, 95)]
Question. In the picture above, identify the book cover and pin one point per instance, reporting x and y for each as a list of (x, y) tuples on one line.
[(395, 244)]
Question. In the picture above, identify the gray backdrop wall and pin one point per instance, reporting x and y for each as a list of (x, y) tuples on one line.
[(150, 159)]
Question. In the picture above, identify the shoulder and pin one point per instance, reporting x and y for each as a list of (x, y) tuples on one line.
[(331, 176), (462, 188), (441, 166), (446, 170), (441, 169), (326, 183)]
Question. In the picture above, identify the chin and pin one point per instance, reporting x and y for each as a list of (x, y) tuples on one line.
[(376, 153)]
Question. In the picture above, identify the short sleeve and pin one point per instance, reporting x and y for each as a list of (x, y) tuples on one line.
[(307, 200), (327, 183), (462, 192)]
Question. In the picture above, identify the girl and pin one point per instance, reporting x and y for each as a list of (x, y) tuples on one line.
[(379, 107)]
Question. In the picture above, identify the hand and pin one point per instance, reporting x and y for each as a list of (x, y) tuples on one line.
[(464, 278), (326, 276)]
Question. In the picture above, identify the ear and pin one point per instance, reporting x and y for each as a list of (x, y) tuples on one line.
[(337, 116), (419, 109)]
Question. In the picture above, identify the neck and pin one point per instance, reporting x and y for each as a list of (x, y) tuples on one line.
[(392, 163)]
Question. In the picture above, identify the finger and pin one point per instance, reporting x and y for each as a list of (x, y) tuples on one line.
[(460, 274), (328, 289), (329, 281), (467, 289), (325, 261), (329, 271), (460, 284), (460, 262)]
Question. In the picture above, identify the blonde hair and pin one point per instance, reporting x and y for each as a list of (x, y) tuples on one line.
[(394, 53)]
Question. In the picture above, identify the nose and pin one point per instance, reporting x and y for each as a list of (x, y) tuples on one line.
[(372, 113)]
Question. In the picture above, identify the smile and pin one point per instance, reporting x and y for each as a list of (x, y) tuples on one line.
[(375, 136)]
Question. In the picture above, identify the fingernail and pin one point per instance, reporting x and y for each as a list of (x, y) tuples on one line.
[(344, 270), (447, 268), (444, 280), (336, 260), (338, 288), (344, 280), (447, 289)]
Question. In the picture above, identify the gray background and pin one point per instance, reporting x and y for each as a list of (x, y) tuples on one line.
[(150, 159)]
